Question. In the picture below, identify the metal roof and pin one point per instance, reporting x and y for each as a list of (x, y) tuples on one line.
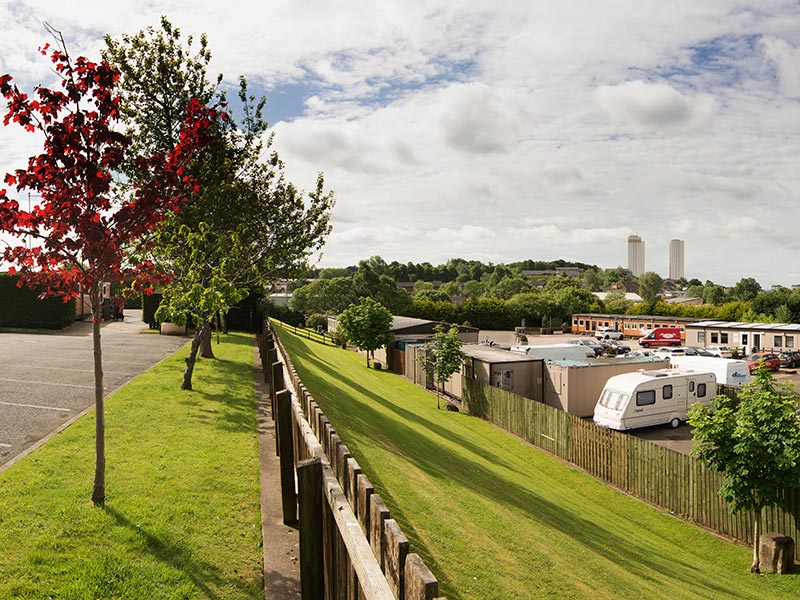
[(745, 325), (493, 354)]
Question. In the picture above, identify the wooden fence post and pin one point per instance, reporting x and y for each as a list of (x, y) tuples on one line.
[(395, 551), (420, 584), (312, 566), (288, 494), (378, 513), (277, 385)]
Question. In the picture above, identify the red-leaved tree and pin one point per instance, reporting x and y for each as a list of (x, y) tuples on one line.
[(81, 226)]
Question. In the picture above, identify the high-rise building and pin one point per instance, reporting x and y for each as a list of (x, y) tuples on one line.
[(635, 255), (676, 259)]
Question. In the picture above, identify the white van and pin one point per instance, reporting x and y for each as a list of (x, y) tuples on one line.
[(733, 373), (556, 352), (646, 398)]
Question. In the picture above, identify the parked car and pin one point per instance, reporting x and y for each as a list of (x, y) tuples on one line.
[(771, 361), (605, 333), (701, 351), (721, 351), (597, 348), (616, 348), (673, 350), (789, 360)]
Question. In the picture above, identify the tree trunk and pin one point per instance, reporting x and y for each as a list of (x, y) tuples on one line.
[(224, 321), (205, 340), (192, 358), (99, 489), (755, 567)]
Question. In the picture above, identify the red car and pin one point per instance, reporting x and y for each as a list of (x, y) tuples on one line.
[(771, 361)]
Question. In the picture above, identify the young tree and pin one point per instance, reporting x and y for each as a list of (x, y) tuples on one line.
[(82, 228), (443, 357), (366, 325), (754, 442)]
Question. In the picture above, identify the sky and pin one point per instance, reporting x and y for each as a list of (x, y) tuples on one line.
[(504, 131)]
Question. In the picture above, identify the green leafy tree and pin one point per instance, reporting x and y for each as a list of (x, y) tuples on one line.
[(443, 357), (327, 296), (783, 314), (508, 286), (201, 262), (746, 289), (650, 284), (713, 294), (366, 325), (754, 443), (242, 200)]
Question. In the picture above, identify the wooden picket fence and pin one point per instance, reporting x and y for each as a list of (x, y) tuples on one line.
[(350, 547), (658, 475)]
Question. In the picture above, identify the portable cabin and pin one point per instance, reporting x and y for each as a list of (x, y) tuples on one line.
[(646, 398)]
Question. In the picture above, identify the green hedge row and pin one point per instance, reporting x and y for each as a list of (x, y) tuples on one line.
[(242, 317), (21, 307)]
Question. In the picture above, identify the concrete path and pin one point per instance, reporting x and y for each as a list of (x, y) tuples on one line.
[(281, 542), (47, 380)]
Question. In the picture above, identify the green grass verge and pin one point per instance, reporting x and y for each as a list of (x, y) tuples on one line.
[(182, 518), (494, 517)]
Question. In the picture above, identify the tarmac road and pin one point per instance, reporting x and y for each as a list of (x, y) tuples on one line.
[(46, 380)]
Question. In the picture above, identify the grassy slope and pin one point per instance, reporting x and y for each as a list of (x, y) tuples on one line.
[(495, 518), (182, 514)]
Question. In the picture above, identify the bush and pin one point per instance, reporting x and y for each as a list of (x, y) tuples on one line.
[(316, 321), (22, 307)]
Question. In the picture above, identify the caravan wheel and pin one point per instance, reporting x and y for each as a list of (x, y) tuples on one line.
[(675, 422)]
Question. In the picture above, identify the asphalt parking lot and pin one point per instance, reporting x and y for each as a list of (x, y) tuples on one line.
[(48, 379)]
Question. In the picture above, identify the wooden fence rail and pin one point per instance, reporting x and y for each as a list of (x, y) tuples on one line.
[(350, 547), (658, 475)]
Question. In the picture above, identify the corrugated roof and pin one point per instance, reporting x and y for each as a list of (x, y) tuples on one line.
[(492, 354)]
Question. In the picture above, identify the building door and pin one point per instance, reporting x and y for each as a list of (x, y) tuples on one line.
[(744, 343), (756, 341)]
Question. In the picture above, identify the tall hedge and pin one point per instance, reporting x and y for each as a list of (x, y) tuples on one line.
[(22, 307), (241, 317)]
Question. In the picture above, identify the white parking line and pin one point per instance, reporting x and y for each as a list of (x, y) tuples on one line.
[(37, 406), (6, 446), (75, 385)]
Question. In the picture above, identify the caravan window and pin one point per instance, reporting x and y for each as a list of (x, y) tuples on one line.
[(613, 399), (645, 397), (691, 386), (701, 390), (666, 392)]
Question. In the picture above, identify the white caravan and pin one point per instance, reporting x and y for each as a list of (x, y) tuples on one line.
[(555, 352), (646, 398), (733, 373)]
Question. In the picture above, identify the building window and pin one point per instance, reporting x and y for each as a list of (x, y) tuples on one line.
[(778, 341), (701, 390), (649, 326), (681, 328), (666, 392), (701, 337), (645, 398), (790, 341), (723, 338), (580, 322), (574, 322), (714, 337)]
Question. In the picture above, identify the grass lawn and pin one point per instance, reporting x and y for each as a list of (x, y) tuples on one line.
[(182, 516), (493, 517)]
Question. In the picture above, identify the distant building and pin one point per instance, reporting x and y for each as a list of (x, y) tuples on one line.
[(635, 255), (676, 270)]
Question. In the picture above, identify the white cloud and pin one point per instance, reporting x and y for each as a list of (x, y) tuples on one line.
[(655, 106), (786, 59)]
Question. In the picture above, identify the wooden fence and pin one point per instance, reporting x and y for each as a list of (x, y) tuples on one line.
[(350, 547), (658, 475)]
